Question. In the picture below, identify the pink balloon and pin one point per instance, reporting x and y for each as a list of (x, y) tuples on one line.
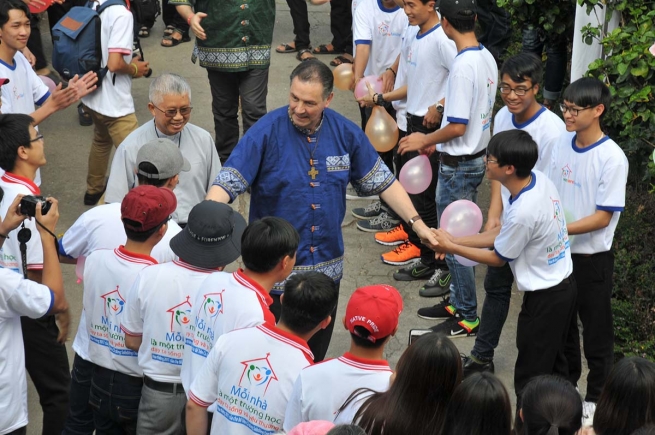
[(462, 218), (416, 175), (652, 49), (79, 268), (361, 89), (465, 261), (48, 82)]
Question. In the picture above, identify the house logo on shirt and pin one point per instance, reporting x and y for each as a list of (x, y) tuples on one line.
[(114, 303), (18, 95), (212, 305), (257, 374), (567, 176), (384, 29), (410, 54), (180, 314)]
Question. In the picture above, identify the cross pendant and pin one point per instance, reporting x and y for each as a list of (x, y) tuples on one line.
[(313, 173)]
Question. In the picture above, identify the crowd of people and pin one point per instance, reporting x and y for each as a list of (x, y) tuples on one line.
[(170, 343)]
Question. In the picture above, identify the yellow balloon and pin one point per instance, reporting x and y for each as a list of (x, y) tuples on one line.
[(382, 130), (343, 76)]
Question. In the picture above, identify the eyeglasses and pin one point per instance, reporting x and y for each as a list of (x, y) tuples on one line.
[(519, 92), (488, 160), (37, 138), (573, 111), (170, 113)]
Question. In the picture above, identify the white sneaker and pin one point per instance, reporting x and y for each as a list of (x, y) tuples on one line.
[(588, 410)]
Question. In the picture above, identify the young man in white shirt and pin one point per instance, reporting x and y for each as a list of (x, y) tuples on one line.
[(520, 76), (155, 321), (259, 365), (534, 241), (111, 106), (108, 276), (22, 297), (590, 171), (21, 155), (372, 319), (462, 140), (159, 163)]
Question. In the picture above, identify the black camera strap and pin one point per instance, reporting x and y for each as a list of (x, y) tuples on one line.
[(24, 236)]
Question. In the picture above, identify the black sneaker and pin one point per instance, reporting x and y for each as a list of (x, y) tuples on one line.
[(414, 271), (443, 310), (370, 211), (93, 198), (437, 285), (470, 366), (456, 327), (383, 222)]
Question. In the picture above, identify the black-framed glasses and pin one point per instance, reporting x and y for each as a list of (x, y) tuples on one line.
[(37, 138), (170, 113), (519, 92), (572, 110)]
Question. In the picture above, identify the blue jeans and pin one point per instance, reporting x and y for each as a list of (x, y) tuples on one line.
[(557, 53), (498, 287), (115, 399), (457, 183), (80, 414)]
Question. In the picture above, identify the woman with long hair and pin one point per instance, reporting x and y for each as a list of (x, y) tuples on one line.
[(549, 405)]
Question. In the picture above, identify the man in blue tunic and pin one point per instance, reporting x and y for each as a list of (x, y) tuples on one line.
[(298, 160)]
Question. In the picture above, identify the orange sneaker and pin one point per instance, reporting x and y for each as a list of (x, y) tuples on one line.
[(403, 254), (396, 236)]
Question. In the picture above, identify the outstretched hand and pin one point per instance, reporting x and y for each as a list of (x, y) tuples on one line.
[(84, 85)]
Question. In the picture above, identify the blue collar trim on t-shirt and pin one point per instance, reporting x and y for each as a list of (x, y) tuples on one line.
[(478, 48), (529, 121), (11, 67), (577, 149), (525, 189), (387, 10), (418, 36)]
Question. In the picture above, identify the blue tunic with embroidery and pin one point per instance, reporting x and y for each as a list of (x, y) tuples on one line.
[(273, 158)]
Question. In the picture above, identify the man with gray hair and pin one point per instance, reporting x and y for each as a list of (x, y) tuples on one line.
[(170, 104)]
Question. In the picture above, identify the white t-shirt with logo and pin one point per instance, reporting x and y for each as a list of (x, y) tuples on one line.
[(162, 317), (250, 374), (590, 179), (470, 97), (18, 297), (322, 389), (224, 302), (114, 97), (534, 238), (381, 28), (108, 278), (25, 89), (428, 60)]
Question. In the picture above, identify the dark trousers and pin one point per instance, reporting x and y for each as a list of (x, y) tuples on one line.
[(300, 19), (251, 87), (541, 332), (172, 18), (341, 21), (80, 414), (557, 57), (115, 399), (21, 431), (423, 202), (593, 275), (35, 44), (47, 363), (320, 342), (496, 28), (498, 288)]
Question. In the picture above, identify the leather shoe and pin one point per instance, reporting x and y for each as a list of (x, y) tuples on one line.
[(470, 366)]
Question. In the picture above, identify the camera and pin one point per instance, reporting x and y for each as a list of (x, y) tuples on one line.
[(29, 202)]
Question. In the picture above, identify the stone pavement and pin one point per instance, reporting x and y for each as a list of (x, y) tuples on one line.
[(67, 147)]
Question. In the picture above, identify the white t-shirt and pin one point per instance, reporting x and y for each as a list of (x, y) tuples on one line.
[(102, 228), (590, 179), (25, 89), (428, 62), (322, 389), (114, 97), (534, 238), (162, 317), (10, 257), (224, 302), (108, 278), (400, 106), (470, 97), (257, 367), (382, 29), (18, 297), (546, 130)]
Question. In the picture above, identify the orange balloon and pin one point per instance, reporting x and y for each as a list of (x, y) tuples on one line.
[(382, 130), (344, 76)]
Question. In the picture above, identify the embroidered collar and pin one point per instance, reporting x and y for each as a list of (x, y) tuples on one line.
[(305, 131)]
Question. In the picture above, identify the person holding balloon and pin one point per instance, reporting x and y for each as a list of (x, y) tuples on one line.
[(534, 241), (462, 139)]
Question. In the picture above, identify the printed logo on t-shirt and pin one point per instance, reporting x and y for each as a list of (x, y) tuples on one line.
[(384, 29), (567, 176), (108, 332), (18, 95), (200, 334), (180, 314), (486, 117), (558, 250), (258, 373), (410, 54), (170, 350)]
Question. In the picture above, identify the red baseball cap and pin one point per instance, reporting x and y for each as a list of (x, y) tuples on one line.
[(4, 81), (146, 207), (375, 308)]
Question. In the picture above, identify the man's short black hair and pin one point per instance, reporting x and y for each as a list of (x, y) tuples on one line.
[(309, 298), (516, 148), (588, 92), (361, 341), (265, 242), (141, 236), (14, 133), (523, 66), (315, 71), (149, 168), (8, 5)]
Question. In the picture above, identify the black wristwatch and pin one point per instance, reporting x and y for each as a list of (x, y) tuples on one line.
[(379, 100)]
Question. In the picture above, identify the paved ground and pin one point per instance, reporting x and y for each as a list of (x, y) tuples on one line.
[(67, 147)]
